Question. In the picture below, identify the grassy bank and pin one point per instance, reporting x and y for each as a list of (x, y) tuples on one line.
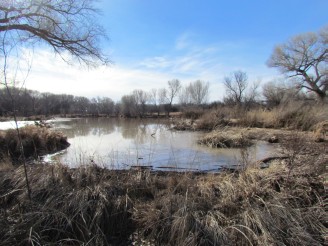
[(280, 205), (36, 141), (292, 116)]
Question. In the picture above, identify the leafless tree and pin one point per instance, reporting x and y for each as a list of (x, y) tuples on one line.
[(9, 81), (173, 90), (65, 25), (273, 93), (305, 57), (240, 91), (153, 97), (128, 106), (184, 96), (140, 97), (174, 86), (236, 85), (199, 92)]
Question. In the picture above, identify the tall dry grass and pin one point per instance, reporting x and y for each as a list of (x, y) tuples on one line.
[(36, 141), (281, 205), (292, 115)]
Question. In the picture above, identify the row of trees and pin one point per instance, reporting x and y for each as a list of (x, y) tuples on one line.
[(176, 97), (160, 100), (30, 102), (136, 104)]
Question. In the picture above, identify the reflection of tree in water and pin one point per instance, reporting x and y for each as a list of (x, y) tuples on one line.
[(129, 128), (90, 126), (141, 131)]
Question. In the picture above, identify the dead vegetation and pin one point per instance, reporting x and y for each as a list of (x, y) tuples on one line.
[(291, 116), (226, 139), (283, 204), (280, 205), (36, 141)]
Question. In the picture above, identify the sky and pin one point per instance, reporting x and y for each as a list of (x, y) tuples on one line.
[(154, 41)]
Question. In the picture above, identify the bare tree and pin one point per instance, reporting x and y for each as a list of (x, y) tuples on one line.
[(65, 25), (128, 106), (184, 96), (141, 97), (153, 97), (172, 92), (273, 93), (305, 57), (199, 92), (162, 98), (236, 85), (7, 81)]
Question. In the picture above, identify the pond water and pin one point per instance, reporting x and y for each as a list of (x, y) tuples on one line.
[(124, 143)]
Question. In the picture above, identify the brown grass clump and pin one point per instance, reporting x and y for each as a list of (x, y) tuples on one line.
[(36, 141), (68, 207), (225, 139)]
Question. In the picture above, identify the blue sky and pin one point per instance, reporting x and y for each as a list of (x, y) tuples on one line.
[(153, 41)]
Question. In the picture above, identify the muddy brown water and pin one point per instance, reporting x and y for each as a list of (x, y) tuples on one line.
[(144, 143)]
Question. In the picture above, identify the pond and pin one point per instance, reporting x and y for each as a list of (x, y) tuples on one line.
[(117, 143)]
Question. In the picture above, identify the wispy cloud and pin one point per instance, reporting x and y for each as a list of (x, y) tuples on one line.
[(210, 62), (187, 61)]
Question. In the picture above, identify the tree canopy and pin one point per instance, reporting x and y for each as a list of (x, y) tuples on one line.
[(305, 57), (66, 25)]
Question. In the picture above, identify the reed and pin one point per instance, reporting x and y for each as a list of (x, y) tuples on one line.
[(36, 141), (95, 206)]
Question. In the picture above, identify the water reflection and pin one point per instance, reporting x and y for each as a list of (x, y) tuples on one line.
[(122, 143)]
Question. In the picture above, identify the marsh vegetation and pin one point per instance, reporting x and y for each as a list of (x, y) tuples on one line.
[(283, 203), (278, 200)]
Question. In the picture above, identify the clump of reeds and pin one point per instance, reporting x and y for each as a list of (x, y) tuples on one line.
[(224, 139), (256, 207), (296, 116), (68, 207), (291, 115), (36, 141)]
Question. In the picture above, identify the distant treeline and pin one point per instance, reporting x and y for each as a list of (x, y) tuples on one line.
[(31, 103), (140, 103)]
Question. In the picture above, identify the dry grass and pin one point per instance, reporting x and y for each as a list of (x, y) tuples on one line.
[(281, 205), (223, 138), (36, 141), (294, 116)]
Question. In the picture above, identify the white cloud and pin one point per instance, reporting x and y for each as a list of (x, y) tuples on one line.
[(51, 74), (187, 62)]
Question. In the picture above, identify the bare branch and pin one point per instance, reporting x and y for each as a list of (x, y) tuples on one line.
[(305, 56), (65, 25)]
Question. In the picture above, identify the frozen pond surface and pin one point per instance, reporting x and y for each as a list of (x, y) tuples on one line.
[(121, 143)]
